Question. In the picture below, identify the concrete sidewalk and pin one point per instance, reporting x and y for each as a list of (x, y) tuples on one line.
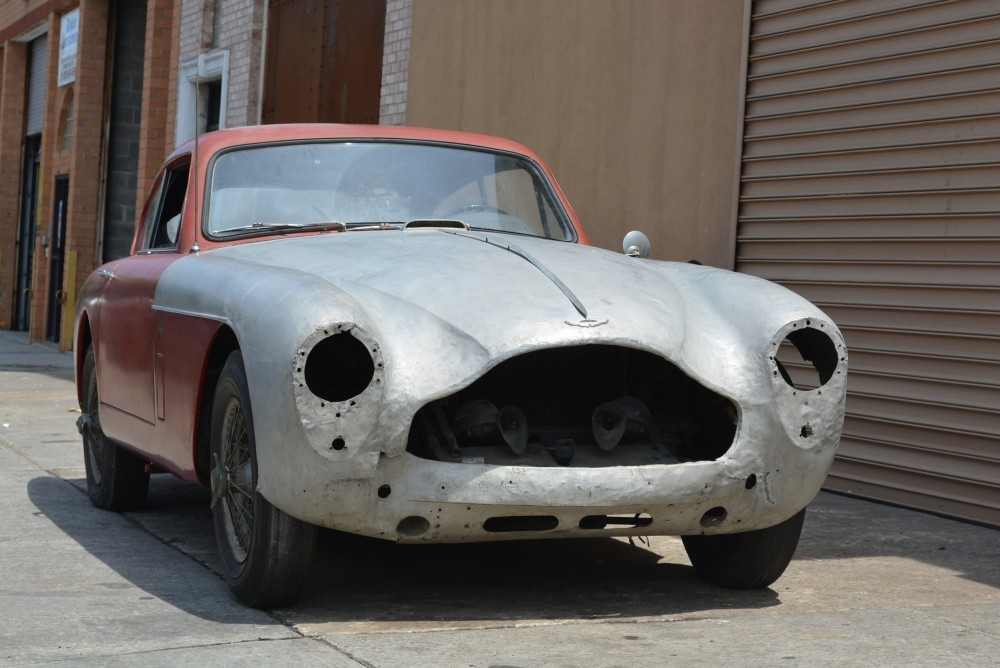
[(870, 585)]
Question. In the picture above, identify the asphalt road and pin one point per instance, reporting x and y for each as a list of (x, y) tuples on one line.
[(870, 584)]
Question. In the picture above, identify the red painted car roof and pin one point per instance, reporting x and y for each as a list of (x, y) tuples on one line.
[(257, 134)]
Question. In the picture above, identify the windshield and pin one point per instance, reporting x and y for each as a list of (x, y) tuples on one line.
[(369, 183)]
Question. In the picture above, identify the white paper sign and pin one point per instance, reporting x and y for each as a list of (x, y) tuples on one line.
[(69, 39)]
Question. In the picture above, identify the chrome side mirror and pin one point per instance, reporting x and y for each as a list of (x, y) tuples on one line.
[(636, 244)]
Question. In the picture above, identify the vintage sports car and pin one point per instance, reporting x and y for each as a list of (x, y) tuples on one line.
[(403, 333)]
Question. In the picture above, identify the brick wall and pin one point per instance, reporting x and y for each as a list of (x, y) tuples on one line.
[(84, 159), (241, 30), (395, 61), (159, 75), (13, 71)]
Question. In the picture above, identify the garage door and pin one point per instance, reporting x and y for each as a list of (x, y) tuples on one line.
[(871, 185)]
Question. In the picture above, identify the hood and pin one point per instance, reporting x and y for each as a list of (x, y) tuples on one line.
[(447, 305), (503, 299)]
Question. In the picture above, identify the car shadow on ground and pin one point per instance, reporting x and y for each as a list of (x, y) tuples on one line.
[(357, 579)]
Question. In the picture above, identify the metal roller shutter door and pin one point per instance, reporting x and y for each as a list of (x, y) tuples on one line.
[(871, 185), (38, 49)]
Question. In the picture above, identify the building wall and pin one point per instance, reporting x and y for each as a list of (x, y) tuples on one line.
[(238, 29), (241, 30), (159, 92), (396, 61), (13, 72), (124, 127), (636, 105), (74, 139)]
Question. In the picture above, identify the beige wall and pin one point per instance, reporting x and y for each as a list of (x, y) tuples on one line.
[(636, 105)]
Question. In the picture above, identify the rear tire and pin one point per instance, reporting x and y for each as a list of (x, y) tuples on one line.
[(116, 479), (749, 560), (265, 553)]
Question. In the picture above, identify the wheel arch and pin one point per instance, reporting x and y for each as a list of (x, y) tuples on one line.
[(223, 344), (84, 339)]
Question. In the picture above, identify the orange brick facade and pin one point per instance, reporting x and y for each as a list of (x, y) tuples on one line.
[(78, 137), (74, 139)]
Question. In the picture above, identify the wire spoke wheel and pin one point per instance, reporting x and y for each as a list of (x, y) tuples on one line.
[(238, 499), (94, 442), (265, 553)]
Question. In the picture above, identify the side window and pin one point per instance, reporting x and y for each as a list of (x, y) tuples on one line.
[(165, 210)]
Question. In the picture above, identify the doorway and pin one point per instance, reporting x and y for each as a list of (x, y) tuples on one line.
[(57, 257), (26, 232), (323, 61)]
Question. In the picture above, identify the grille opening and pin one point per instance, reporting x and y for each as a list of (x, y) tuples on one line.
[(512, 523), (636, 521), (807, 359), (658, 415), (339, 367)]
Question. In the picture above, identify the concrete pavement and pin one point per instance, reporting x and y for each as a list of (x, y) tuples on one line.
[(870, 585)]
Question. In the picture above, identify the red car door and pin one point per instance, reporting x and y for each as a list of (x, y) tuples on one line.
[(128, 329)]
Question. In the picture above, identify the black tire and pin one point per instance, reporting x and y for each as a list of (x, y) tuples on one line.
[(116, 478), (749, 560), (265, 553)]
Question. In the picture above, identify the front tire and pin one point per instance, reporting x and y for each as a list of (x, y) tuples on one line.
[(116, 479), (265, 553), (749, 560)]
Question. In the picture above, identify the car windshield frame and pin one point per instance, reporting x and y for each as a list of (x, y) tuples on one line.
[(544, 191)]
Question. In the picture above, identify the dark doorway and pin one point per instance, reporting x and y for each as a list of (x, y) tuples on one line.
[(26, 233), (57, 257), (324, 61)]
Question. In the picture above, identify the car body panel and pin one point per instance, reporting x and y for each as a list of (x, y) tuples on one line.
[(437, 310)]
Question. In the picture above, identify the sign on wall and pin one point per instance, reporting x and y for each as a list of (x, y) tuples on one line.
[(69, 38)]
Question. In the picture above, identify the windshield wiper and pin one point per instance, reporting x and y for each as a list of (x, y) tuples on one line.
[(285, 227)]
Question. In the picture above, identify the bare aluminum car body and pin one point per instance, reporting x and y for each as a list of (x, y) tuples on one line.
[(440, 368), (433, 333)]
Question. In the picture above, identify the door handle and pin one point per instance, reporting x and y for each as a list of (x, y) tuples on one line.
[(105, 273)]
